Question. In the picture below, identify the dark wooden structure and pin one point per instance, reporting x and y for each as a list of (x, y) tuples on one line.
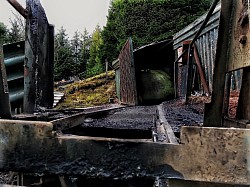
[(128, 91), (38, 67)]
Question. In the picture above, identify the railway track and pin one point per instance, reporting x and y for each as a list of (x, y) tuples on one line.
[(140, 124)]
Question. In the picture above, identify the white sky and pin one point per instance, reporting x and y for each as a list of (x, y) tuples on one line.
[(73, 15)]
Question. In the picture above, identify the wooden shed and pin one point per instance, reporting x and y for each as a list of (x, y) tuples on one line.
[(145, 75)]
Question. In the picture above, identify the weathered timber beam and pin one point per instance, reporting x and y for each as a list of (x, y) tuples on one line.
[(78, 119), (69, 122), (200, 70), (168, 129), (38, 75), (19, 8), (214, 111), (205, 154)]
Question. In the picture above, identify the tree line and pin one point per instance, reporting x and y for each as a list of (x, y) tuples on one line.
[(78, 56), (145, 21), (15, 33)]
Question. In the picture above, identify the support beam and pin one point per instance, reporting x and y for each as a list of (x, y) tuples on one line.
[(200, 70), (216, 155), (38, 66), (213, 111), (19, 8)]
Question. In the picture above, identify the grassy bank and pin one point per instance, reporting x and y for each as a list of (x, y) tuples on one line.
[(93, 91)]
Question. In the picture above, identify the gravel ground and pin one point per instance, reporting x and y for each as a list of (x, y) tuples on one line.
[(178, 114), (125, 123), (139, 117)]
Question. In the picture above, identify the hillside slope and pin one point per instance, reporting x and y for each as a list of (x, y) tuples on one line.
[(93, 91)]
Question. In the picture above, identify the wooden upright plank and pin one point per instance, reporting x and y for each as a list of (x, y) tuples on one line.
[(214, 110), (128, 89), (37, 69)]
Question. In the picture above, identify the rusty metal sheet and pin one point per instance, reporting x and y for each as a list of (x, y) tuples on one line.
[(5, 110), (189, 32), (239, 49), (217, 155), (14, 61), (128, 90)]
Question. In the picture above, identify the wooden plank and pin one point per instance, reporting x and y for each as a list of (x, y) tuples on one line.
[(128, 88), (214, 110), (216, 155), (69, 122), (239, 53), (169, 131), (38, 79), (78, 119), (200, 70)]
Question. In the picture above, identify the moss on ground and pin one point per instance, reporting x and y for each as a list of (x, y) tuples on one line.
[(93, 91)]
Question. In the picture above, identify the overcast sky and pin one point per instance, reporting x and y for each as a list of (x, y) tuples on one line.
[(71, 14)]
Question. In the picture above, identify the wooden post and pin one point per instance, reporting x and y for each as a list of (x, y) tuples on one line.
[(38, 79), (213, 111), (200, 70), (189, 78)]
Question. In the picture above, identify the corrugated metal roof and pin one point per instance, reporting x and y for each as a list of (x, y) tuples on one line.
[(188, 32)]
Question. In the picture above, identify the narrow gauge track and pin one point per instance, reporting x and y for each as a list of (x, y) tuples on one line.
[(148, 123)]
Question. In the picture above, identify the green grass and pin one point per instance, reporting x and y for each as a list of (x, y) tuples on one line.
[(93, 91)]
